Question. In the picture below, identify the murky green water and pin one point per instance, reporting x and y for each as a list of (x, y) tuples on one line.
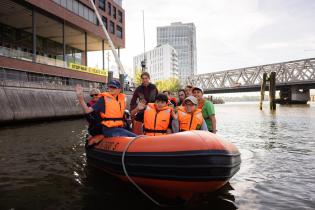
[(43, 166)]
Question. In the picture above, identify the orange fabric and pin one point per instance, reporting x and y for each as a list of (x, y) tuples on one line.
[(155, 120), (189, 121), (114, 110), (201, 103), (137, 127)]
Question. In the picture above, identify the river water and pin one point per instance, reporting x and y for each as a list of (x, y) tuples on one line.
[(43, 165)]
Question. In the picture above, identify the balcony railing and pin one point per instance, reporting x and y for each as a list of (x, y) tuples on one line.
[(18, 54)]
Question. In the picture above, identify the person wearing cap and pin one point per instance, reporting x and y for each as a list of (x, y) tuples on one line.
[(189, 117), (207, 108), (110, 107), (156, 117)]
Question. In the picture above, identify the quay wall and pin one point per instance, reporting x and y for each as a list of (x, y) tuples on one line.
[(20, 101), (27, 101)]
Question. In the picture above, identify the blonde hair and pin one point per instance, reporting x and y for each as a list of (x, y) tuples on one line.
[(95, 91)]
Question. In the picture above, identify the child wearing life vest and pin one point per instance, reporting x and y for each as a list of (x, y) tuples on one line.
[(189, 117), (110, 107), (172, 102), (156, 117)]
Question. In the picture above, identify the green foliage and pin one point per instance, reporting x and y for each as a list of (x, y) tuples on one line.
[(138, 77), (171, 84)]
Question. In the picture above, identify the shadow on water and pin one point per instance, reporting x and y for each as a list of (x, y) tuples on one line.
[(103, 191)]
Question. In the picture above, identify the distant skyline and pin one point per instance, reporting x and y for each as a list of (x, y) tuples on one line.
[(230, 34)]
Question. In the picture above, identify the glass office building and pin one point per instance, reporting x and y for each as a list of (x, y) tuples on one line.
[(182, 36)]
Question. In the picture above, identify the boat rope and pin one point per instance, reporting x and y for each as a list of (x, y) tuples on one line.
[(130, 179)]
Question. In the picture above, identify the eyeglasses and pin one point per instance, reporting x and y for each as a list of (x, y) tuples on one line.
[(181, 95), (94, 95)]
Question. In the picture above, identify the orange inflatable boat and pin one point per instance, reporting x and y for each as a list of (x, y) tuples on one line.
[(174, 166)]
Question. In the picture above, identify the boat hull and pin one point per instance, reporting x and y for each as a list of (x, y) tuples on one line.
[(176, 165)]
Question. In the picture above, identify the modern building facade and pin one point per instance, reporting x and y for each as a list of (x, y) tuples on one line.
[(161, 62), (49, 39), (182, 36), (119, 2)]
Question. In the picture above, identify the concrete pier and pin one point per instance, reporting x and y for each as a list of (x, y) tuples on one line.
[(294, 95)]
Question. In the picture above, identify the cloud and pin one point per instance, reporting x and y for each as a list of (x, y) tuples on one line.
[(230, 34)]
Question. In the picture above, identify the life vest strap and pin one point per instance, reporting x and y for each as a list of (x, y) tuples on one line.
[(154, 131), (112, 119)]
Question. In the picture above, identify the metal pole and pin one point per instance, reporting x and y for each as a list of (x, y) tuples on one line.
[(144, 62), (34, 34), (108, 61), (63, 42), (103, 54), (118, 62), (143, 33), (85, 48)]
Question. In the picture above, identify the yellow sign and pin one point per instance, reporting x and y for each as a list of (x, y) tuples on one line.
[(91, 70)]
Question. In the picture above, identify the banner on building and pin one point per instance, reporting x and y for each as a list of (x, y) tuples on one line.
[(91, 70)]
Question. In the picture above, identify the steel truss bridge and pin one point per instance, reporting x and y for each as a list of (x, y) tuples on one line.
[(300, 73)]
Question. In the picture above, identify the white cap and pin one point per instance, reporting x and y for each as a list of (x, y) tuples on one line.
[(192, 99), (197, 88)]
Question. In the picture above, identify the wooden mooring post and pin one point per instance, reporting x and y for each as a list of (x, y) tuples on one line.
[(262, 90), (272, 90)]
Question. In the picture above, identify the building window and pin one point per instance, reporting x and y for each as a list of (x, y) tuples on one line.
[(86, 13), (109, 6), (112, 27), (102, 4), (92, 17), (114, 12), (120, 16), (119, 32), (70, 5), (81, 8), (104, 19), (76, 7), (64, 3)]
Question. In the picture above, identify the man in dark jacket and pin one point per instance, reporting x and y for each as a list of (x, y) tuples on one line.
[(145, 93)]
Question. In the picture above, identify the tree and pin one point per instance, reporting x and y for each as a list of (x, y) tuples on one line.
[(171, 84), (138, 77)]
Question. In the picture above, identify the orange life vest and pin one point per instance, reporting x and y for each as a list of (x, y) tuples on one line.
[(201, 103), (156, 121), (189, 121), (114, 110)]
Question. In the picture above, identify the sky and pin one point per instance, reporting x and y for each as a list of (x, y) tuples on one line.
[(230, 33)]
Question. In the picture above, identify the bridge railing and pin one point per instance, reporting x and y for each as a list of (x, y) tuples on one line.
[(286, 72)]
